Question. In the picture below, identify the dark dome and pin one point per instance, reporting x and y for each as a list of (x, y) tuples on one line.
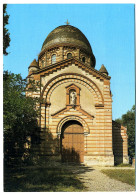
[(67, 34)]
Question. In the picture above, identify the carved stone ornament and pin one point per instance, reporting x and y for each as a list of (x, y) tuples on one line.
[(72, 97)]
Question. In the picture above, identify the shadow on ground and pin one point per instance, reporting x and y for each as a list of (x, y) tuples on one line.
[(77, 168), (52, 178)]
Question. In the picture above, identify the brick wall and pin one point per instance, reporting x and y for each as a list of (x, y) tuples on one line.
[(61, 54), (120, 143), (93, 112)]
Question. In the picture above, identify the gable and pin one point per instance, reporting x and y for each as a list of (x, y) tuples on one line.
[(69, 62)]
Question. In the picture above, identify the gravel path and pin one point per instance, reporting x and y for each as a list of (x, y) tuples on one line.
[(95, 180)]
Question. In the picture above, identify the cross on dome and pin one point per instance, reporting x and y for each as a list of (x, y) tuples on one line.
[(67, 22)]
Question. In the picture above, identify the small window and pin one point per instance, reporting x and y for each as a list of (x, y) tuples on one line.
[(69, 55), (53, 58), (42, 63), (83, 59)]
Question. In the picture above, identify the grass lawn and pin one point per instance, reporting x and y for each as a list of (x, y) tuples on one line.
[(123, 165), (124, 175), (33, 179)]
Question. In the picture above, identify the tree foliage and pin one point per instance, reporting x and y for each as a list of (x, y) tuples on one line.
[(128, 120), (6, 34), (20, 116)]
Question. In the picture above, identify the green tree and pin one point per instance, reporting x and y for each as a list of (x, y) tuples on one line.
[(6, 34), (20, 117), (128, 120)]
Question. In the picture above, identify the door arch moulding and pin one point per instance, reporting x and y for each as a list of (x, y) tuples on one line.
[(75, 118)]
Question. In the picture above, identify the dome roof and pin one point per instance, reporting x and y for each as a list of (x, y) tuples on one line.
[(67, 34)]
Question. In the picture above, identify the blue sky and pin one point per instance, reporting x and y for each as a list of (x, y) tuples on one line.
[(108, 27)]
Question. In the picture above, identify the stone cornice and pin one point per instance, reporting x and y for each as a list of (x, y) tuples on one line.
[(68, 107)]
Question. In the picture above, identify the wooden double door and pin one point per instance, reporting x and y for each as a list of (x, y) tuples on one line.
[(72, 142)]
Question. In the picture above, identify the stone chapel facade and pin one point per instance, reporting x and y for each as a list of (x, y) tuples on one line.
[(76, 102)]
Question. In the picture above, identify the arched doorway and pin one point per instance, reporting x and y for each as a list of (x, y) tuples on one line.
[(72, 142)]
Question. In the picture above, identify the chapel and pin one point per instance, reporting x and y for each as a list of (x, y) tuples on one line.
[(76, 103)]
